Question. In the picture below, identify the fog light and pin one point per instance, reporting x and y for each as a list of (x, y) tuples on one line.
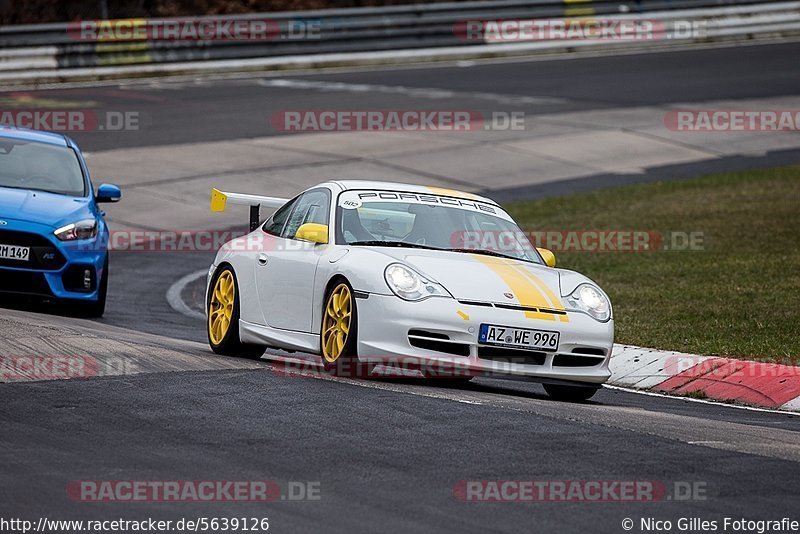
[(82, 278)]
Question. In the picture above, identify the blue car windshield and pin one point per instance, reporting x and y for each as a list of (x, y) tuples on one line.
[(41, 167)]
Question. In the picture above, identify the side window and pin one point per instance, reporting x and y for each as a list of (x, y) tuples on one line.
[(275, 224), (311, 207)]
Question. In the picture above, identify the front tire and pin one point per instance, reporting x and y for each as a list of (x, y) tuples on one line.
[(570, 393), (222, 325), (339, 332)]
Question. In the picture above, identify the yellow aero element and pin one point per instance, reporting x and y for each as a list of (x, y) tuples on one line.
[(314, 232), (442, 191), (218, 200), (463, 315)]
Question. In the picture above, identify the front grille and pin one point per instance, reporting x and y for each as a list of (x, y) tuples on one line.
[(422, 339), (44, 255), (23, 282), (506, 355), (572, 360)]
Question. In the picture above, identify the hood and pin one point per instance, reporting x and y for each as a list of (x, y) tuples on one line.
[(477, 277), (42, 207)]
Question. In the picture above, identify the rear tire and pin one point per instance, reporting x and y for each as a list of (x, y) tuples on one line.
[(570, 393), (222, 325)]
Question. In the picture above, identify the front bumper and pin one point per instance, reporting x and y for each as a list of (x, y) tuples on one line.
[(384, 323), (56, 269)]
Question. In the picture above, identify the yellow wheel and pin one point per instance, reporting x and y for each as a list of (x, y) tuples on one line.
[(223, 317), (339, 334), (220, 309), (337, 322)]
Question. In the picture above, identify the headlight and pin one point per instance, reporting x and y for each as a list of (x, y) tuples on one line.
[(410, 285), (85, 229), (588, 299)]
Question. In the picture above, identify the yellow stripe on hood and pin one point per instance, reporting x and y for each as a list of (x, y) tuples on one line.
[(526, 292), (555, 302)]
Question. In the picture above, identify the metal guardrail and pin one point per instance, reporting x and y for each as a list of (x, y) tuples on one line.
[(338, 31)]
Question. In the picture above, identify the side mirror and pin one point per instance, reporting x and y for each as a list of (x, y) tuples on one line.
[(549, 257), (314, 232), (108, 193)]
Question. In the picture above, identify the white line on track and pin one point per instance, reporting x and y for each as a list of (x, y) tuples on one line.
[(175, 298), (419, 92), (700, 401)]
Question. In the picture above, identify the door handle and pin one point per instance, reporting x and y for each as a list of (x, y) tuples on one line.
[(262, 259)]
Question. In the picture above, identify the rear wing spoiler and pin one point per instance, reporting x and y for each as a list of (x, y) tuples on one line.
[(220, 199)]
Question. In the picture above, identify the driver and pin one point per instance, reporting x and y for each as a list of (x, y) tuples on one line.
[(430, 226), (351, 224)]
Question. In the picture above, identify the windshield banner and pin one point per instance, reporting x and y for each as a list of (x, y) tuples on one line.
[(355, 199)]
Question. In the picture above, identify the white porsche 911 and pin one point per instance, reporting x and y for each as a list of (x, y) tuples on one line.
[(374, 273)]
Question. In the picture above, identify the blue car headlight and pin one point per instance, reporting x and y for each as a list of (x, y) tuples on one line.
[(85, 229)]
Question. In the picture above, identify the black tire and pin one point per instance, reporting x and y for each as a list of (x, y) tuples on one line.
[(570, 393), (347, 363), (229, 343)]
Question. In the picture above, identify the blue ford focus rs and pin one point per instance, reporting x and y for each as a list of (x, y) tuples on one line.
[(53, 238)]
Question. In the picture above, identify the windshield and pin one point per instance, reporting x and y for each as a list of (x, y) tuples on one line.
[(39, 166), (429, 221)]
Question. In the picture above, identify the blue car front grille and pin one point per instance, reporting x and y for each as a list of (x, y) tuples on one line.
[(44, 255)]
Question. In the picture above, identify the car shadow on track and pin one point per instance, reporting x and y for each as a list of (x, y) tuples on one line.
[(311, 366)]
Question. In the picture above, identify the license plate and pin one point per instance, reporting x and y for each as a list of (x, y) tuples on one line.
[(13, 252), (520, 338)]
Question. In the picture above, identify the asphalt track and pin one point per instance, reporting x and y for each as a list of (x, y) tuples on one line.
[(388, 454), (201, 109)]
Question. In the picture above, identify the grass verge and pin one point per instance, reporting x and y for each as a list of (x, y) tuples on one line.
[(736, 294)]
